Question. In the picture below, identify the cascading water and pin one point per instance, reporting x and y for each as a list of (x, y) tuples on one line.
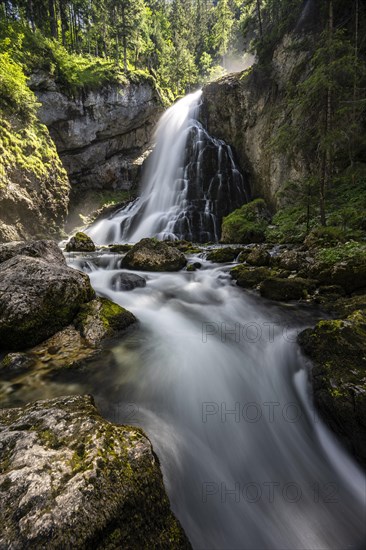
[(190, 183), (214, 375)]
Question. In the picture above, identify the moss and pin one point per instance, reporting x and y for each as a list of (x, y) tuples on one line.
[(276, 288), (222, 255), (248, 277), (50, 439), (246, 224)]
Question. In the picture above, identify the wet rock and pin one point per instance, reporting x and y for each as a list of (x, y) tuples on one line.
[(37, 299), (338, 349), (47, 250), (70, 479), (222, 255), (153, 255), (281, 289), (100, 319), (127, 281), (118, 248), (80, 243), (249, 277), (258, 257)]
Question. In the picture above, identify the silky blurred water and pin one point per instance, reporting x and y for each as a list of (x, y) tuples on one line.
[(214, 376)]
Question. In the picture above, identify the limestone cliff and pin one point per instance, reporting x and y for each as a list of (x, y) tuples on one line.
[(246, 110), (100, 134)]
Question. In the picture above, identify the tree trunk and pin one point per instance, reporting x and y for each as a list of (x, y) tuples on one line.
[(353, 131), (64, 22), (124, 37), (53, 21)]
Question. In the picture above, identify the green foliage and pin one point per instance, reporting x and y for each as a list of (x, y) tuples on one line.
[(15, 96), (246, 224), (343, 252), (289, 225)]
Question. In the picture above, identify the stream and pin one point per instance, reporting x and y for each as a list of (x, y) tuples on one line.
[(214, 376)]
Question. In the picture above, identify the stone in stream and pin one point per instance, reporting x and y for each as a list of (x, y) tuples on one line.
[(281, 289), (80, 242), (127, 281), (70, 479), (153, 255)]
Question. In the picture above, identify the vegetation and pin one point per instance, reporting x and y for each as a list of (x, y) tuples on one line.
[(179, 43), (246, 224)]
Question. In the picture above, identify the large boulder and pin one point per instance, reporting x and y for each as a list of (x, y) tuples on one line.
[(70, 479), (47, 250), (338, 349), (37, 299), (153, 255)]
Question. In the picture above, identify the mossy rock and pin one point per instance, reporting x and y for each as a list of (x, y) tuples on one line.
[(259, 257), (80, 242), (281, 289), (102, 318), (246, 224), (154, 255), (78, 481), (338, 349), (37, 299), (249, 277), (222, 255)]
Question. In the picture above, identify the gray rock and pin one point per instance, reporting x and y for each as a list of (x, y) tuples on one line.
[(153, 255), (127, 281), (47, 250), (37, 299), (70, 479), (101, 134)]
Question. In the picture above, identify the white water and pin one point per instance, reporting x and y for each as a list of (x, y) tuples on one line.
[(176, 200), (163, 194), (164, 375)]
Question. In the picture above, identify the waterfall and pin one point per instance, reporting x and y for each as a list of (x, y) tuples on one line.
[(190, 182)]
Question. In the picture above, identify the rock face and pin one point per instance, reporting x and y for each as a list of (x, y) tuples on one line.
[(246, 110), (153, 255), (70, 479), (38, 297), (34, 187), (338, 349), (100, 135)]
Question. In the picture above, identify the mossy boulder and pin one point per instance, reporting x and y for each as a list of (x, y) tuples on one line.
[(80, 242), (249, 277), (71, 347), (222, 255), (118, 248), (154, 255), (259, 256), (70, 479), (282, 289), (37, 299), (246, 224), (338, 349), (102, 318)]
